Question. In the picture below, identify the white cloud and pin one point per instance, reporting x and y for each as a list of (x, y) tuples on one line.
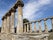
[(30, 8)]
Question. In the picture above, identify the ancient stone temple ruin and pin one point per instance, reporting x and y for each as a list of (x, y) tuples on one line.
[(22, 32)]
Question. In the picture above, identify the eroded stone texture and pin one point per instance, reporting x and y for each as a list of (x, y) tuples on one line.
[(8, 24), (12, 22), (24, 36), (20, 20), (40, 30), (46, 27), (34, 27)]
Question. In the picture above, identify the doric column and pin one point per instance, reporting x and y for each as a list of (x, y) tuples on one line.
[(35, 27), (5, 25), (27, 27), (8, 22), (2, 30), (30, 27), (20, 17), (52, 23), (24, 28), (12, 20), (46, 28), (40, 30)]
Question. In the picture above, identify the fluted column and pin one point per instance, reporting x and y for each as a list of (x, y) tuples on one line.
[(5, 25), (20, 17), (40, 30), (35, 27), (8, 23), (27, 27), (52, 23), (24, 28), (12, 21), (30, 27), (46, 28), (2, 30)]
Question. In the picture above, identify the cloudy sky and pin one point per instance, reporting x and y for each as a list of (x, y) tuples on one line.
[(32, 10)]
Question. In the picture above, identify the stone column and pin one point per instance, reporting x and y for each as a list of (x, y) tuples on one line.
[(2, 30), (5, 25), (8, 23), (12, 20), (46, 28), (40, 30), (27, 27), (24, 28), (35, 27), (30, 27), (52, 23), (20, 17)]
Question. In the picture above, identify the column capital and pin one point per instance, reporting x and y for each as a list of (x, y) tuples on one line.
[(45, 19), (51, 18), (39, 20), (12, 10), (4, 17), (8, 14), (20, 3)]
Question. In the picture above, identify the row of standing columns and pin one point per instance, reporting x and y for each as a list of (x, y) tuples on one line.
[(8, 23), (8, 19), (28, 26)]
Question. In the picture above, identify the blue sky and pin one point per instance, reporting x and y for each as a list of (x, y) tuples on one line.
[(32, 10)]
